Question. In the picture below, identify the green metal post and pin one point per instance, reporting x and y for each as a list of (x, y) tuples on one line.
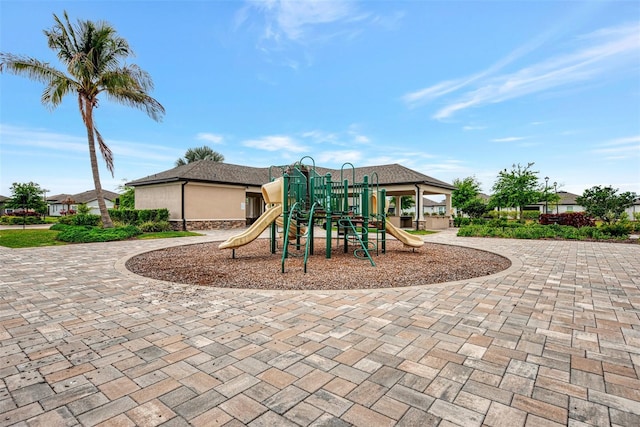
[(327, 210), (382, 204), (365, 212)]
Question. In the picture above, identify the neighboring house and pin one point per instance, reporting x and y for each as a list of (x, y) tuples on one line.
[(61, 204), (3, 200), (212, 195), (634, 210), (431, 207), (567, 203)]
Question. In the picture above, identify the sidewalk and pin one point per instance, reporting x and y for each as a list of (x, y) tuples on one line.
[(552, 341)]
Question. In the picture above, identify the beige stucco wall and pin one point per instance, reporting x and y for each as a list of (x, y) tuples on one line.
[(161, 196), (213, 201)]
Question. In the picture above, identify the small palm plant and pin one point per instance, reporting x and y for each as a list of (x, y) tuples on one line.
[(199, 153)]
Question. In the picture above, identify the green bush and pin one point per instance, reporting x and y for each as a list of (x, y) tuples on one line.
[(80, 219), (619, 229), (138, 216), (537, 231), (461, 221), (86, 234), (533, 215), (153, 227), (59, 227), (19, 220)]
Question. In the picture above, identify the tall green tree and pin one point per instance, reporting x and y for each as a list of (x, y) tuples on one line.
[(199, 153), (466, 197), (516, 188), (92, 54), (127, 196), (605, 203), (27, 195)]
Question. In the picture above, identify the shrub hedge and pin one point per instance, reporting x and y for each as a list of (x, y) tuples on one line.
[(154, 227), (537, 231), (80, 219), (139, 216), (573, 219), (19, 220), (86, 234)]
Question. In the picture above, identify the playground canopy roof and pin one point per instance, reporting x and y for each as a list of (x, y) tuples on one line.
[(225, 173)]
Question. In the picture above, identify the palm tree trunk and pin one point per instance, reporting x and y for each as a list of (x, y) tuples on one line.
[(88, 121)]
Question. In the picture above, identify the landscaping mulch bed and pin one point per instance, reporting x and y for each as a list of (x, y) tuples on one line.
[(256, 268)]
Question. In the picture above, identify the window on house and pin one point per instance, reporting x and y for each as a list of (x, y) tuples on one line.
[(569, 208)]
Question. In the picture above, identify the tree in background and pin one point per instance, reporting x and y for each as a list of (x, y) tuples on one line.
[(127, 196), (199, 153), (605, 203), (406, 203), (516, 188), (28, 196), (91, 53), (466, 197)]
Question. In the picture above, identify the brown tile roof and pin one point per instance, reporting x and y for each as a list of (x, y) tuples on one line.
[(429, 203), (210, 171), (58, 197), (84, 197), (567, 198)]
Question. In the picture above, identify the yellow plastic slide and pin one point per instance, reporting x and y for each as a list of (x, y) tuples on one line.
[(256, 229), (403, 236)]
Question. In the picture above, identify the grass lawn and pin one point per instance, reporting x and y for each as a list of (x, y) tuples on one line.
[(421, 232), (41, 237), (29, 238)]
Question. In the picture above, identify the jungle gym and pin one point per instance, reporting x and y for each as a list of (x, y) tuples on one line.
[(298, 198)]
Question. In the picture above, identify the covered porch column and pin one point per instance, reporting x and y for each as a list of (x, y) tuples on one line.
[(447, 202), (419, 218)]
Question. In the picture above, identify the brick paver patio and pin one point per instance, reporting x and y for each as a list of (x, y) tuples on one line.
[(554, 340)]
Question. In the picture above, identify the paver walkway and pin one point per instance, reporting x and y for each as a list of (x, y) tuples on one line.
[(554, 340)]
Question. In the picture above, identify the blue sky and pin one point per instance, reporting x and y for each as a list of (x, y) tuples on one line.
[(449, 88)]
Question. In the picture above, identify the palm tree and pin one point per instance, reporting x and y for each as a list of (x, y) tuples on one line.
[(91, 53), (199, 153)]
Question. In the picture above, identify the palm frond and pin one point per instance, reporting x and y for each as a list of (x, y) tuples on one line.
[(106, 152), (56, 90), (28, 67)]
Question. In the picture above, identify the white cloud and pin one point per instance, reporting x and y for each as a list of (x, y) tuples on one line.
[(622, 141), (295, 20), (470, 128), (508, 139), (619, 148), (40, 138), (210, 137), (276, 143), (338, 157), (25, 140), (599, 54), (286, 25)]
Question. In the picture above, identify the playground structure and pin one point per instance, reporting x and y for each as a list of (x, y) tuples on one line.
[(301, 198)]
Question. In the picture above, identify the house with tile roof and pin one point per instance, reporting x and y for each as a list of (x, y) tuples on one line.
[(61, 204), (568, 203), (211, 195)]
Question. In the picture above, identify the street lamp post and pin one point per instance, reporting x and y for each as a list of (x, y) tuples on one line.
[(546, 196), (44, 192), (555, 188)]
